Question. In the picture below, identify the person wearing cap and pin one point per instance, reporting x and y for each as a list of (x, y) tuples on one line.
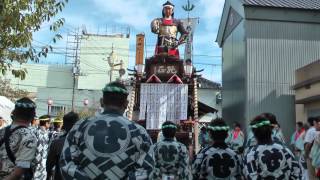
[(217, 161), (42, 135), (269, 159), (167, 29), (17, 143), (170, 156), (56, 147), (108, 145)]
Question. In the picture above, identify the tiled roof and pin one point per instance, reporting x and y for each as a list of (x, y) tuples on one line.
[(295, 4), (207, 84)]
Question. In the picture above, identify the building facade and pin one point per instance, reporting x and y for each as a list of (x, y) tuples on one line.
[(92, 71), (263, 42), (101, 58), (307, 89)]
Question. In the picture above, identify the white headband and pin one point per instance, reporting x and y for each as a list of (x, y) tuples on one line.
[(168, 6)]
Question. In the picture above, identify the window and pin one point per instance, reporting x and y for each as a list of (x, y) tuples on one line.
[(218, 98), (55, 110)]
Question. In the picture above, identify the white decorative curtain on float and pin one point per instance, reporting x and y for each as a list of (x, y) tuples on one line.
[(163, 102)]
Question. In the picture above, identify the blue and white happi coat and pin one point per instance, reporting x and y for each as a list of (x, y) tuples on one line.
[(107, 146), (215, 163), (235, 143), (277, 136), (54, 135), (272, 161), (171, 159), (39, 163), (22, 143), (315, 152)]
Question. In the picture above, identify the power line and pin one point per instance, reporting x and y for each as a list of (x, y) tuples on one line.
[(93, 66), (48, 70), (207, 64), (63, 100), (30, 85), (131, 50)]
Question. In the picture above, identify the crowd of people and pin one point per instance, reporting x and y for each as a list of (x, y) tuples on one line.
[(29, 147), (109, 146), (304, 142)]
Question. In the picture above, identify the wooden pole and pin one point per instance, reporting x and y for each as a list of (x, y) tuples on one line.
[(196, 115), (132, 101)]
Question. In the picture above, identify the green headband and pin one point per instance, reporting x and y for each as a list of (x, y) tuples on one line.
[(114, 89), (218, 128), (260, 124), (169, 126)]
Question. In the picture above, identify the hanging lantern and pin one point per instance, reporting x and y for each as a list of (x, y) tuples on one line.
[(86, 102)]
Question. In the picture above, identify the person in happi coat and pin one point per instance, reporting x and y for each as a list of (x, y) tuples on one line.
[(217, 161), (170, 156), (204, 139), (108, 145), (251, 141), (297, 142), (57, 129), (309, 139), (160, 137), (297, 139), (56, 146), (268, 159), (315, 155), (276, 135), (35, 122), (315, 150), (42, 135), (18, 144), (236, 138), (44, 122)]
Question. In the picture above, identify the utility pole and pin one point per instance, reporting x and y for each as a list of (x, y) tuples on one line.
[(111, 62), (75, 71)]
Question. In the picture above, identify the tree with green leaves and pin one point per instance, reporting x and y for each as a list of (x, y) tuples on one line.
[(19, 19)]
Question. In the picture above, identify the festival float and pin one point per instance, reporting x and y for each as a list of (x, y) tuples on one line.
[(165, 86)]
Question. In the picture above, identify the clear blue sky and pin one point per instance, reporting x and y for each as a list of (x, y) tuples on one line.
[(137, 14)]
